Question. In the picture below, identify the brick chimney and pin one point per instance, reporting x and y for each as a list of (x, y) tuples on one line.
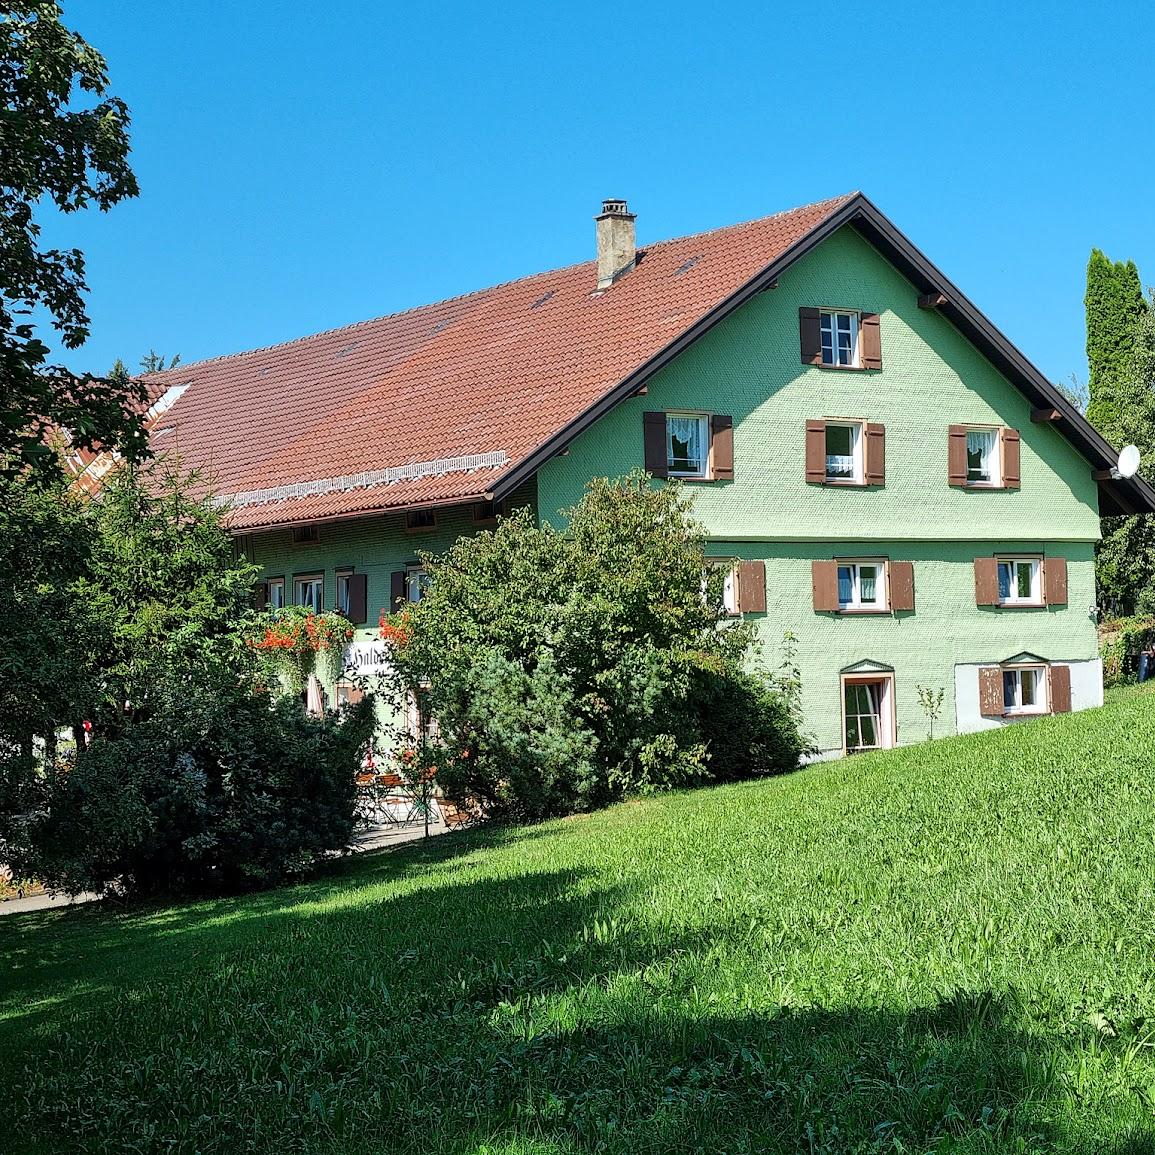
[(617, 243)]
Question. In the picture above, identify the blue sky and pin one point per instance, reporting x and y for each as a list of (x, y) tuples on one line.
[(304, 166)]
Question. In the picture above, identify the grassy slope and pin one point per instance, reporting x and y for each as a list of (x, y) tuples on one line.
[(946, 948)]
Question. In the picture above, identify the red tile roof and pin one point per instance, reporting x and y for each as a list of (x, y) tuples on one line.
[(496, 371)]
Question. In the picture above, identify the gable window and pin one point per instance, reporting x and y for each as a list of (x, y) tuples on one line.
[(862, 585), (839, 338), (687, 444), (1020, 581), (983, 457), (1025, 690), (275, 593), (421, 519), (308, 591), (844, 452)]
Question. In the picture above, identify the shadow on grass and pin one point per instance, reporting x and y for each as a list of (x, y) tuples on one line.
[(516, 1014)]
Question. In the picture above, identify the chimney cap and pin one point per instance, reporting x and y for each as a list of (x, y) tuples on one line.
[(615, 207)]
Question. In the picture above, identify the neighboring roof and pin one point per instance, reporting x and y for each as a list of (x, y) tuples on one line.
[(468, 397)]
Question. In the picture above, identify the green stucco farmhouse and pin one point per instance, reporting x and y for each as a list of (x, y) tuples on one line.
[(883, 473)]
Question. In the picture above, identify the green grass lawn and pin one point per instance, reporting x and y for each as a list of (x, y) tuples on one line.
[(945, 948)]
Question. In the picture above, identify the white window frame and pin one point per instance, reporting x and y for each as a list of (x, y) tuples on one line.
[(341, 602), (1014, 599), (730, 596), (828, 326), (886, 730), (278, 602), (416, 581), (856, 605), (302, 580), (1042, 702), (703, 420), (857, 452), (996, 478)]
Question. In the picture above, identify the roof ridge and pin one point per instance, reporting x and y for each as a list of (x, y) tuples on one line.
[(184, 367)]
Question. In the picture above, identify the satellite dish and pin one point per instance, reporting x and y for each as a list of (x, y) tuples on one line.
[(1128, 461)]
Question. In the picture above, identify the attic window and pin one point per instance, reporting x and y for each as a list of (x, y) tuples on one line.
[(542, 300), (421, 519), (687, 266), (306, 535)]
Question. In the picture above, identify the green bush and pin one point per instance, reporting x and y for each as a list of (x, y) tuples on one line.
[(567, 670), (223, 791), (1121, 643)]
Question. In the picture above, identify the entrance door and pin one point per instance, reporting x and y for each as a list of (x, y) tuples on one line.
[(867, 713)]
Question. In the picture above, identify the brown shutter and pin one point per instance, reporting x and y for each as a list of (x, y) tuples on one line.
[(358, 598), (1055, 581), (986, 581), (260, 595), (810, 336), (991, 691), (654, 434), (824, 580), (956, 455), (1011, 467), (815, 452), (1060, 689), (397, 595), (902, 585), (752, 587), (875, 454), (871, 340), (722, 447)]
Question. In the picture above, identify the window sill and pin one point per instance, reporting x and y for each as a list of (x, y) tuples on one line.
[(856, 612), (979, 486), (837, 483), (840, 368), (1021, 605)]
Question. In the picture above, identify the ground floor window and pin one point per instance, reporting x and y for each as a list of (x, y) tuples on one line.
[(276, 593), (1025, 690), (308, 591), (416, 583), (867, 713)]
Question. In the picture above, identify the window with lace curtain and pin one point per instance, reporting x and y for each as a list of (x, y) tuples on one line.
[(687, 444)]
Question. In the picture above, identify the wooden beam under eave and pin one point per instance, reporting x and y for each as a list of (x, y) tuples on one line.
[(1042, 416), (932, 300), (1102, 474)]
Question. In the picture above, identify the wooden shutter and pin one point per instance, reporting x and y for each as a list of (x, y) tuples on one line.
[(991, 691), (358, 598), (654, 434), (1011, 456), (810, 336), (902, 585), (815, 452), (1055, 581), (986, 581), (722, 447), (875, 454), (752, 587), (870, 340), (1060, 689), (956, 455), (397, 593), (824, 581), (260, 595)]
